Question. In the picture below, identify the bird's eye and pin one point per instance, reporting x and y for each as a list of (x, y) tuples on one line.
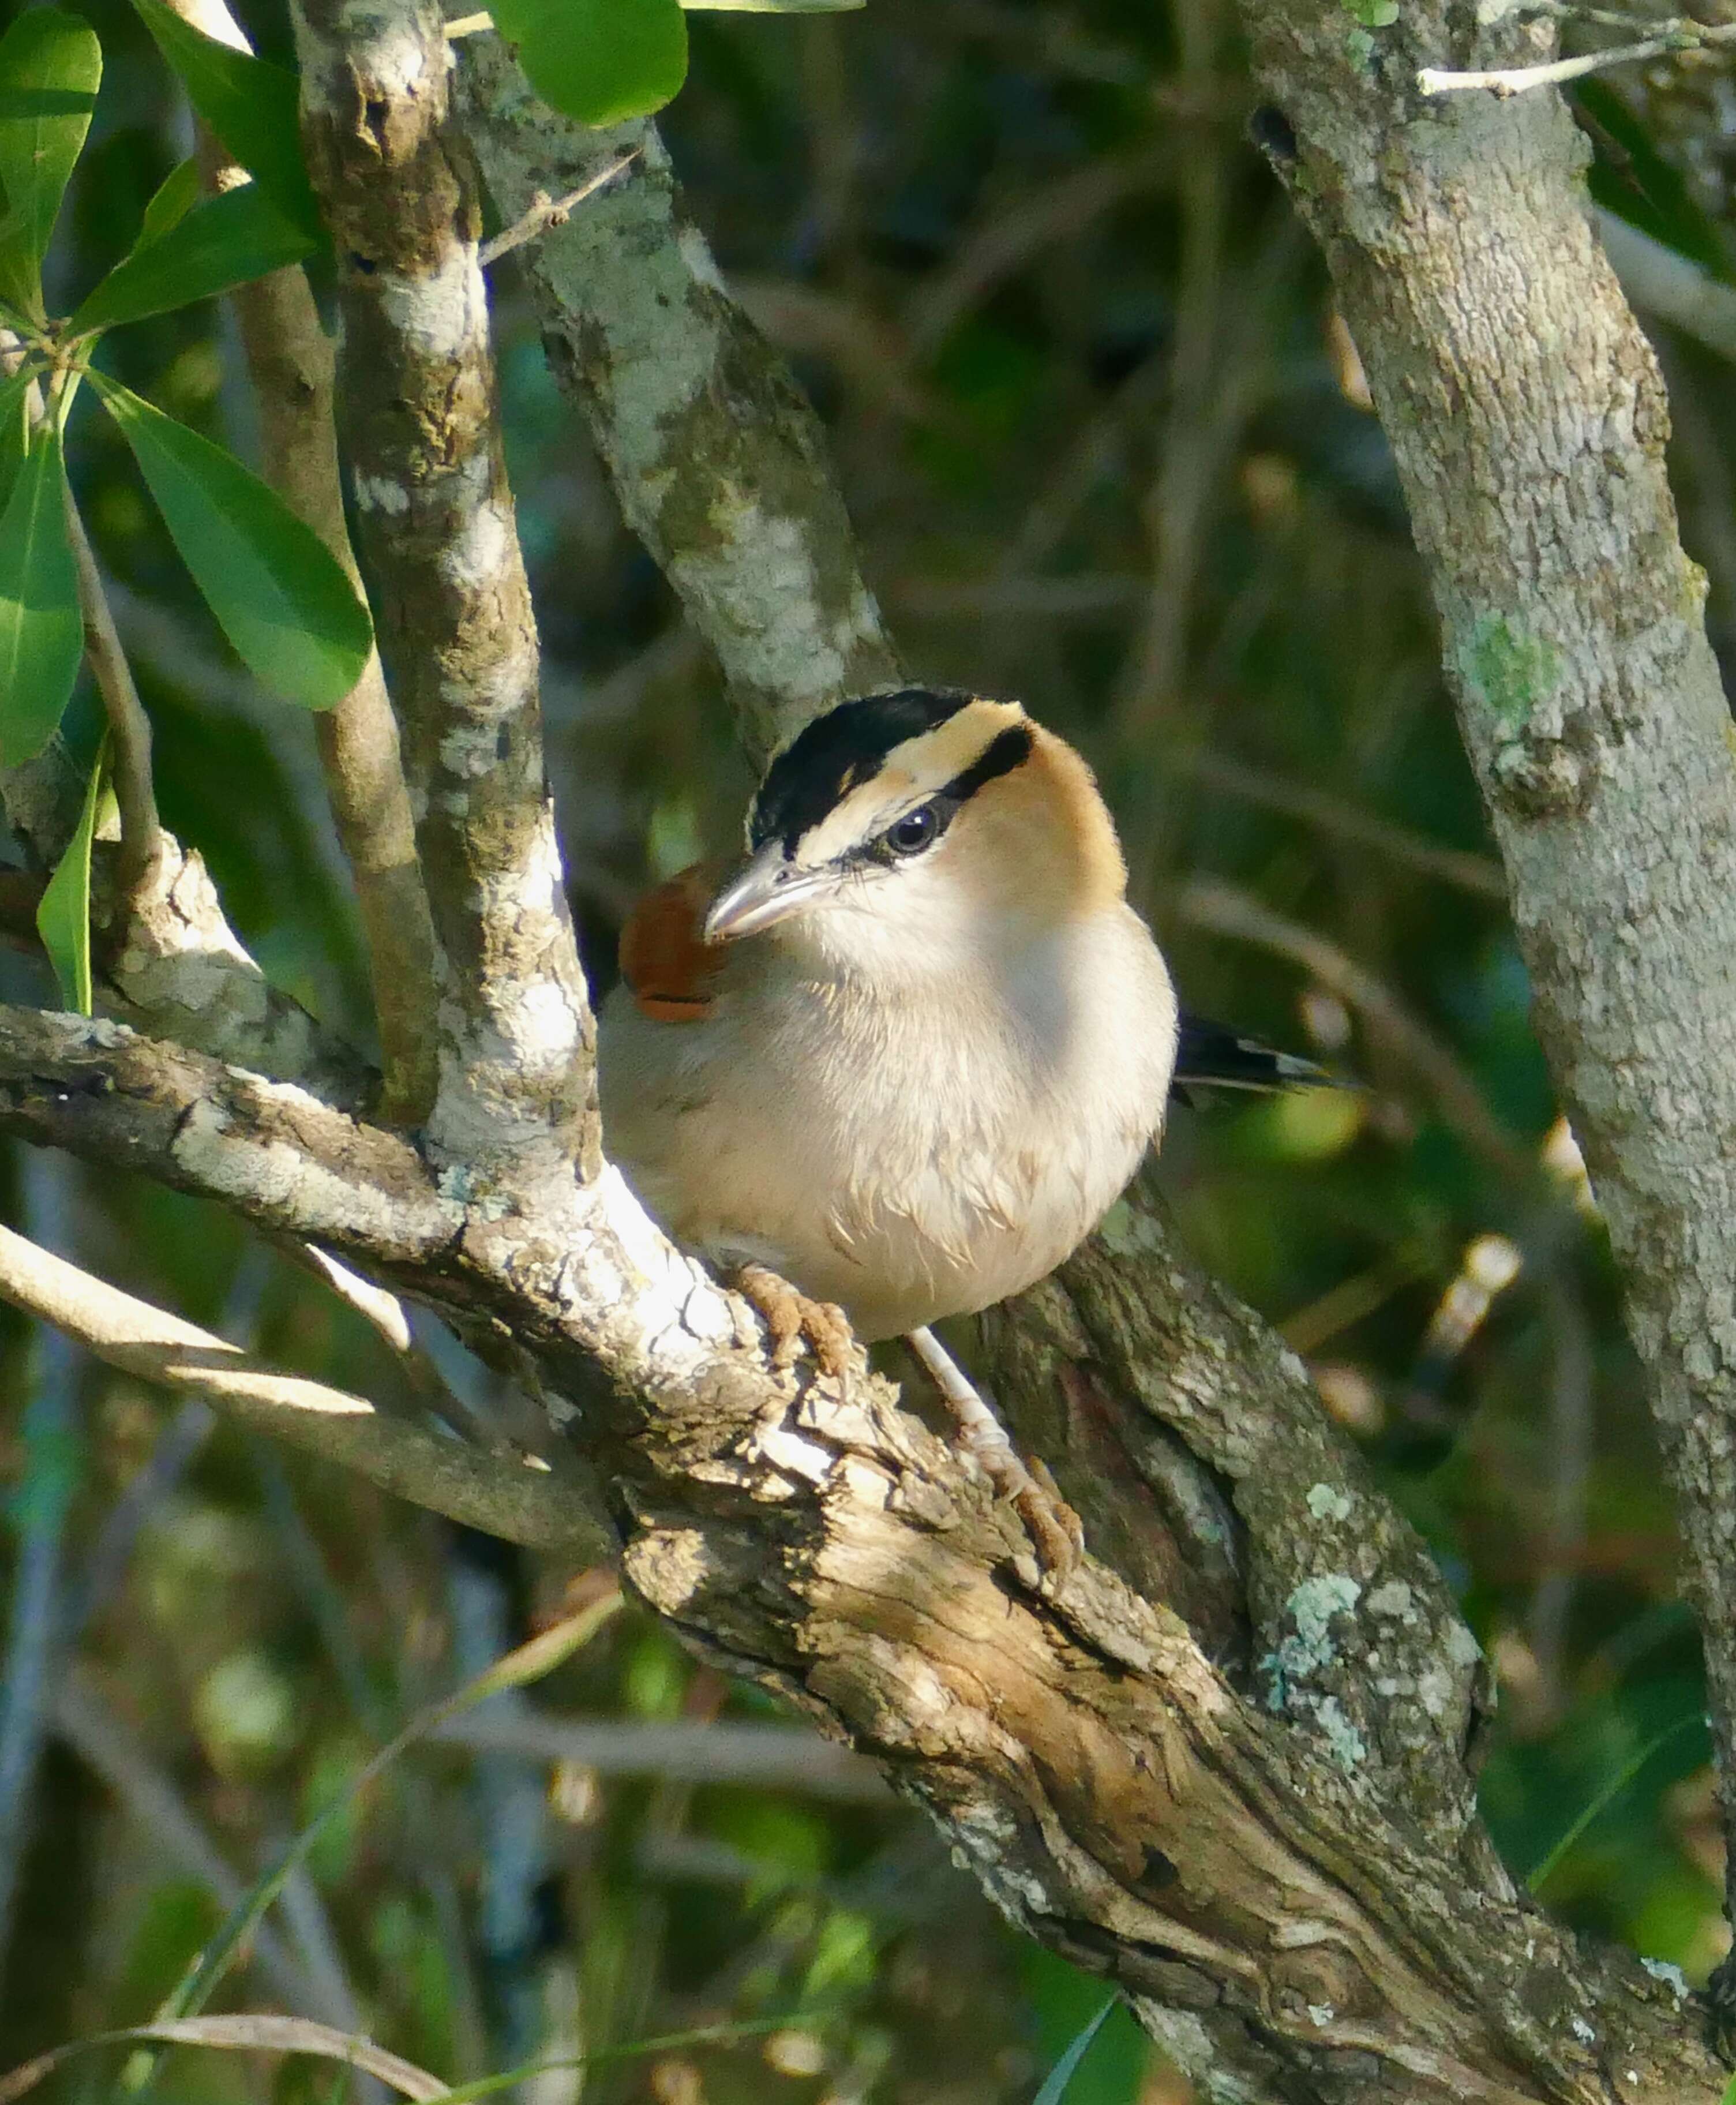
[(914, 832)]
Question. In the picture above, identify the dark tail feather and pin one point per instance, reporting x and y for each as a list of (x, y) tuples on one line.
[(1210, 1056)]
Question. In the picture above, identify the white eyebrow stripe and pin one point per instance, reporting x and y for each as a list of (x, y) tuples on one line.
[(910, 773)]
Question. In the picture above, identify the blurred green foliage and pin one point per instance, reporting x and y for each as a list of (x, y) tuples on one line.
[(1106, 450)]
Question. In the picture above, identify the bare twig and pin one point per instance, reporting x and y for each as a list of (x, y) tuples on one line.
[(523, 1505), (1228, 911), (384, 1312), (1477, 873), (545, 211), (1682, 34), (1008, 239), (129, 728), (769, 1757), (1661, 281)]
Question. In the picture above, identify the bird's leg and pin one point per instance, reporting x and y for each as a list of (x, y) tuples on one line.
[(791, 1317), (1033, 1493)]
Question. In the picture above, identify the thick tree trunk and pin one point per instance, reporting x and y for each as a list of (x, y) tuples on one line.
[(1528, 420)]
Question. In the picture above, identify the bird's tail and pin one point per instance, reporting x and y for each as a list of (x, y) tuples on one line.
[(1209, 1056)]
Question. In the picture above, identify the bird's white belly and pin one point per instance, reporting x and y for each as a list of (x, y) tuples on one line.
[(907, 1165)]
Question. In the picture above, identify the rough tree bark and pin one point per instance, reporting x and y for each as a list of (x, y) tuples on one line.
[(1231, 1773), (1528, 421)]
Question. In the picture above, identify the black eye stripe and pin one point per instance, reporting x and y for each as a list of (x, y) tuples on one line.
[(1008, 749)]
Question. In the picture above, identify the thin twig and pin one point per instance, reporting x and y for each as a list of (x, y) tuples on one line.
[(514, 1436), (1680, 36), (1228, 911), (519, 1503), (547, 212), (1473, 873), (468, 25), (129, 728), (771, 1757)]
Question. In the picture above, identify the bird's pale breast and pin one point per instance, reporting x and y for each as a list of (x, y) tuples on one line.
[(911, 1156)]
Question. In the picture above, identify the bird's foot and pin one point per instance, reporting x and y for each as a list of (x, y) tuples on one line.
[(1054, 1527), (792, 1319), (1057, 1534)]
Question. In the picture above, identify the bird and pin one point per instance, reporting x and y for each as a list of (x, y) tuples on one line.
[(899, 1063)]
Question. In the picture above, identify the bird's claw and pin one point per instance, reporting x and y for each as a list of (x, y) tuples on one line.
[(1056, 1532), (792, 1318), (1055, 1529)]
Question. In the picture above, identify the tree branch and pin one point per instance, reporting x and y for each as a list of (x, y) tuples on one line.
[(1274, 1859), (1358, 1639), (170, 959), (1276, 1913), (290, 359), (738, 505), (436, 520), (271, 1151), (1528, 421), (1281, 1929), (129, 728), (1682, 34), (519, 1503)]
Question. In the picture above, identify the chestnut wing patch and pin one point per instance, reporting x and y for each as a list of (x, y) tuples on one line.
[(665, 960)]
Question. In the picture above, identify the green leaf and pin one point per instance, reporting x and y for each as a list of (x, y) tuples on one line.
[(171, 202), (222, 241), (278, 592), (20, 282), (63, 919), (1729, 2092), (50, 65), (600, 61), (14, 428), (251, 104), (1055, 2082), (42, 635)]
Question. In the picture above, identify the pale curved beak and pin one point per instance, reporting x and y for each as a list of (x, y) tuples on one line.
[(768, 890)]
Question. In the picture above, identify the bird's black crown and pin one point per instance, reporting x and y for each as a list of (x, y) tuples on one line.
[(849, 745)]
